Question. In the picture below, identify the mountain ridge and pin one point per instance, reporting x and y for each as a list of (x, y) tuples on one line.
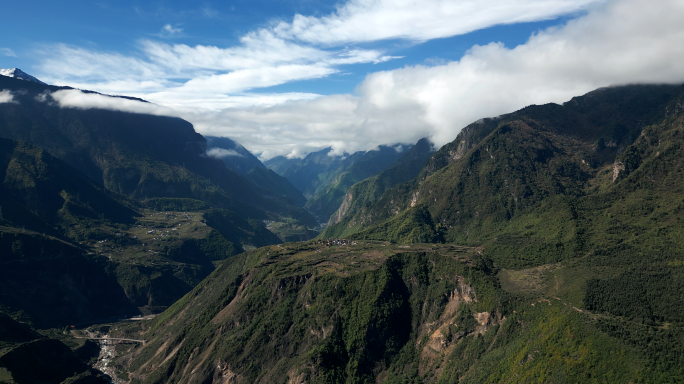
[(19, 74)]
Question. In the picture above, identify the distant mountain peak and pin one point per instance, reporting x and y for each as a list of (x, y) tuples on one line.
[(19, 74)]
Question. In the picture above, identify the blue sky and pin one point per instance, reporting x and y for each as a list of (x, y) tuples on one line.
[(289, 77), (119, 26)]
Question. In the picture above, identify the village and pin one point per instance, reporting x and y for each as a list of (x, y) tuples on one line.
[(338, 242)]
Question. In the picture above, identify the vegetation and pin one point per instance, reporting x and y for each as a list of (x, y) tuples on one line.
[(329, 197), (360, 197), (374, 311)]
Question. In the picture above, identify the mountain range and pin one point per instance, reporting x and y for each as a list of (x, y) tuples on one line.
[(567, 267), (543, 245)]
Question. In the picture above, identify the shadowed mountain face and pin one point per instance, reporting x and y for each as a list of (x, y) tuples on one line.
[(41, 192), (264, 181), (28, 357), (134, 154)]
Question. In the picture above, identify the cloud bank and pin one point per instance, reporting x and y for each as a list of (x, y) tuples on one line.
[(306, 48)]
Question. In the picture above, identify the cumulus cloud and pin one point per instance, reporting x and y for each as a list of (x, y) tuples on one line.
[(6, 96), (306, 48), (220, 153), (372, 20)]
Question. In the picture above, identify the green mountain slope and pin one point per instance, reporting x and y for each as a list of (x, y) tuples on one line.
[(362, 196), (318, 171), (569, 268), (538, 162), (72, 251), (328, 199), (42, 193)]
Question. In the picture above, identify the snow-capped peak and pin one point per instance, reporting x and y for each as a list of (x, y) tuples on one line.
[(19, 74)]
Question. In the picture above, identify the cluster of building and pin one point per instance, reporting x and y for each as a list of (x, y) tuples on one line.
[(339, 242)]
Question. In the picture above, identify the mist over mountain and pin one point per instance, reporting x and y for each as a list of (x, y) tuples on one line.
[(138, 155), (232, 153), (441, 253)]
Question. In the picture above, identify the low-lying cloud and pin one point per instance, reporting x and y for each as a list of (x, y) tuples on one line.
[(220, 153), (74, 98), (6, 96)]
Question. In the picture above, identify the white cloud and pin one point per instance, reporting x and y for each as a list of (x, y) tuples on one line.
[(618, 42), (220, 153), (284, 53), (623, 42), (73, 98), (170, 73), (169, 30), (7, 52), (6, 96), (372, 20)]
